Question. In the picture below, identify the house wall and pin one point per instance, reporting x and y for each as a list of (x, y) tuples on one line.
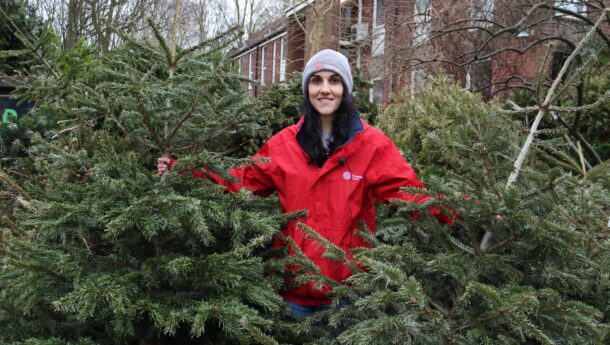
[(407, 60), (271, 63)]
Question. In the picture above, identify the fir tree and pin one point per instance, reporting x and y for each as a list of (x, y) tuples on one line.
[(544, 278), (103, 252), (526, 261)]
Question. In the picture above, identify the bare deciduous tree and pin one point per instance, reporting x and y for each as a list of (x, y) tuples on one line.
[(313, 24), (199, 19), (495, 46), (89, 19)]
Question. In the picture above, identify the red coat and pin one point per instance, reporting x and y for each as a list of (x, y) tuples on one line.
[(337, 196)]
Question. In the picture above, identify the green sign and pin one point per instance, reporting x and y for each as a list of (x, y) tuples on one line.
[(7, 114)]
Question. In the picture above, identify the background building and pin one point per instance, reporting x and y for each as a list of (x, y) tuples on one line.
[(490, 46)]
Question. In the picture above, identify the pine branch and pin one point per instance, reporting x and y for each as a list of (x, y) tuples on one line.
[(148, 125), (177, 13), (169, 57), (574, 78), (331, 251), (500, 244), (544, 106), (189, 112), (461, 246), (131, 40), (210, 41), (118, 123), (12, 226), (605, 97), (28, 44), (4, 177), (543, 109)]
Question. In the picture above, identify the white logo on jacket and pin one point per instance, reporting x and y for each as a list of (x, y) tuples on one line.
[(349, 176)]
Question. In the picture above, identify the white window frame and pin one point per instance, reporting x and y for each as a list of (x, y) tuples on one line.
[(374, 82), (577, 6), (468, 81), (250, 69), (283, 60), (524, 33), (422, 19), (482, 10), (263, 65), (418, 76), (378, 41), (273, 62)]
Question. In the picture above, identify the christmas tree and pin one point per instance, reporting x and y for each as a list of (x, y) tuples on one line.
[(542, 279), (102, 251)]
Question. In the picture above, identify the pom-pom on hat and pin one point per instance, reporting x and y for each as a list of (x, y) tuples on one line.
[(329, 60)]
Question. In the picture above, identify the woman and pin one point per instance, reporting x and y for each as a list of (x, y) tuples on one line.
[(331, 163)]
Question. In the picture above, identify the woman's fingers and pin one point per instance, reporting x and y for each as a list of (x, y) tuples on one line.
[(162, 164)]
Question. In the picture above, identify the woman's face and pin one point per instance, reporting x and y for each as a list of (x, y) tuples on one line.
[(325, 92)]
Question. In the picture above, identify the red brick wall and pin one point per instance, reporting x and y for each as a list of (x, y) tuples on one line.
[(398, 62), (295, 48)]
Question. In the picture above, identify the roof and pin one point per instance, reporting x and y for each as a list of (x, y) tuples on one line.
[(267, 32)]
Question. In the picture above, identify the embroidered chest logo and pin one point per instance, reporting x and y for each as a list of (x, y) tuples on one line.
[(349, 176)]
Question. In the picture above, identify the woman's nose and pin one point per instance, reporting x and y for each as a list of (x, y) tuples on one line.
[(325, 86)]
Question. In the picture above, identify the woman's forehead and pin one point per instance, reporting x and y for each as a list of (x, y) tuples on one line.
[(326, 74)]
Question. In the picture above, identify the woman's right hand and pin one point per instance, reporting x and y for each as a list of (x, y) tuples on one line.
[(162, 165)]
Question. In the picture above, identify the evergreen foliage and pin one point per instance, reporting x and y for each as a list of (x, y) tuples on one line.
[(13, 51), (591, 123), (51, 98), (544, 279), (425, 128), (100, 251)]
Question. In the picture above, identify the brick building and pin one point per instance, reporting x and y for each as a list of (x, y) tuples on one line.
[(396, 44)]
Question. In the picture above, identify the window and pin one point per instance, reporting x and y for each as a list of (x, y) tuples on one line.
[(273, 80), (264, 65), (250, 69), (283, 60), (422, 6), (423, 22), (478, 77), (576, 6), (418, 80), (482, 12), (378, 43), (376, 92), (571, 5), (345, 25), (524, 33), (380, 12), (558, 60)]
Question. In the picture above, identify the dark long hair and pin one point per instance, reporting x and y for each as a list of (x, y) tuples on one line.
[(310, 134)]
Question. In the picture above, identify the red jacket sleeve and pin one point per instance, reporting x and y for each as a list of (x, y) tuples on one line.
[(392, 172), (255, 177)]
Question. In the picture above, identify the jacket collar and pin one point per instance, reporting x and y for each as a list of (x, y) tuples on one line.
[(355, 126)]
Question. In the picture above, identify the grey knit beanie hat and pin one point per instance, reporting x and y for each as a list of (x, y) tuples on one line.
[(329, 60)]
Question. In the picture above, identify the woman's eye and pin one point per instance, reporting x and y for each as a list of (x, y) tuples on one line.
[(335, 80)]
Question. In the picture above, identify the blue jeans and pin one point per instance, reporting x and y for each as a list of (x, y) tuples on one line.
[(300, 311)]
